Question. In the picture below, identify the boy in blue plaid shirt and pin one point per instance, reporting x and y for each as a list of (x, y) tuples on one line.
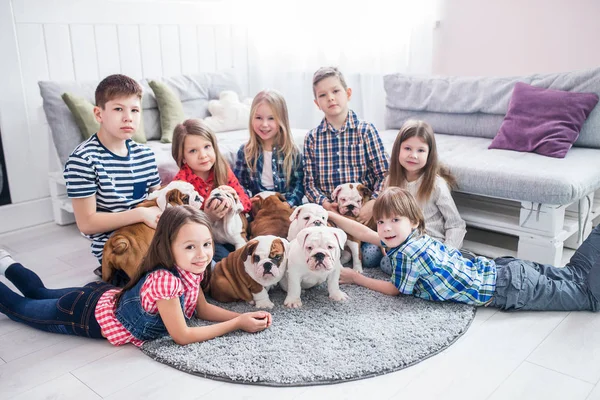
[(426, 268), (342, 149)]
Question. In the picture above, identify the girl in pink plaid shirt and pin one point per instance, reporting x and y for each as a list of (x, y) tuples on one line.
[(158, 301)]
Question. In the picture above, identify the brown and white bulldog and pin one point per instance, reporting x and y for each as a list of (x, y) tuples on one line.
[(271, 215), (232, 227), (350, 198), (314, 258), (128, 245), (249, 272), (304, 216)]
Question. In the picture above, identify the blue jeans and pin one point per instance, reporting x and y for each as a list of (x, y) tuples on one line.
[(70, 311), (222, 251), (527, 285)]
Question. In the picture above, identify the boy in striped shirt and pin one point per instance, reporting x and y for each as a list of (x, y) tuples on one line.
[(109, 174), (426, 268)]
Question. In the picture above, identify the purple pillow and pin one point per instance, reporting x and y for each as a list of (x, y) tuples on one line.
[(543, 121)]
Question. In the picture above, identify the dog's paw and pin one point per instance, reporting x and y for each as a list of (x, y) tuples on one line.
[(266, 303), (338, 296), (292, 303), (357, 266)]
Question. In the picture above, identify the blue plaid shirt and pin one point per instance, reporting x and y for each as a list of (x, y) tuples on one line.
[(428, 269), (353, 154), (252, 182)]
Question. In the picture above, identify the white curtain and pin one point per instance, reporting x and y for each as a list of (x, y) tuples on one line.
[(289, 40)]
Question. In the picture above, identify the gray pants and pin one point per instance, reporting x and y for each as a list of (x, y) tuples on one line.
[(526, 285)]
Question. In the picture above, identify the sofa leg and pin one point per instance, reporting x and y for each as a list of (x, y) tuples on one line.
[(544, 250)]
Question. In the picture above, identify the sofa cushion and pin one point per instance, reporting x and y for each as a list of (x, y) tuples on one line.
[(513, 175), (543, 121), (475, 106), (83, 111), (170, 109)]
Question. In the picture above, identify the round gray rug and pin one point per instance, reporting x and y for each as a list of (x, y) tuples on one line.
[(324, 341)]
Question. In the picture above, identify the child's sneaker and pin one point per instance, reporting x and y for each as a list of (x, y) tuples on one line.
[(5, 261)]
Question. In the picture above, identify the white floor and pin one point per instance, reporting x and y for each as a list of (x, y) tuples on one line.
[(551, 355)]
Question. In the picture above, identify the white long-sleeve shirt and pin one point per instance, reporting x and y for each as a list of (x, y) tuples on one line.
[(442, 220)]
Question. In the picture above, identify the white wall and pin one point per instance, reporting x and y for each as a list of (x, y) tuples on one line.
[(515, 37)]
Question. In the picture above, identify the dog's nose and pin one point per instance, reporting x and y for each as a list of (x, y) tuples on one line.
[(197, 199), (319, 256), (267, 266), (350, 206), (217, 194), (317, 223)]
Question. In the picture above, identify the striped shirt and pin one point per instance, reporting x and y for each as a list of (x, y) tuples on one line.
[(355, 153), (118, 182), (252, 182), (159, 285), (426, 268)]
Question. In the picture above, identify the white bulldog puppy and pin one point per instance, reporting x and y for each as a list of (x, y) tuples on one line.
[(188, 195), (313, 259), (350, 198), (229, 229), (304, 216)]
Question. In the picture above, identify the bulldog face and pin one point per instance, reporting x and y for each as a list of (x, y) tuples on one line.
[(266, 259), (350, 198), (322, 247), (308, 215), (177, 193), (222, 195)]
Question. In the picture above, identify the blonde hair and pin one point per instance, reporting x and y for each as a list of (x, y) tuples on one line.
[(283, 140), (432, 168), (396, 201), (197, 127), (327, 72)]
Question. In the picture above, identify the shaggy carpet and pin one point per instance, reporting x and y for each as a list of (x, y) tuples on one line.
[(324, 341)]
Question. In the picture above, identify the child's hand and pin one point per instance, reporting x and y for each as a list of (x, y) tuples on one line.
[(216, 210), (150, 215), (366, 212), (329, 206), (348, 276), (254, 321)]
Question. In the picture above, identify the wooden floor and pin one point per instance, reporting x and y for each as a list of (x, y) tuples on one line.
[(523, 355)]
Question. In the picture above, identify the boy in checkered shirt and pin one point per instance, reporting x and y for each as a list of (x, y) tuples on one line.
[(342, 149)]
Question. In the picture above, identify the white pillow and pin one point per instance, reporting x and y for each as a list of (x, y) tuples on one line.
[(228, 113)]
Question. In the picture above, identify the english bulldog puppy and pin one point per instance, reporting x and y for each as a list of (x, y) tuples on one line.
[(314, 258), (271, 215), (127, 246), (304, 216), (249, 272), (350, 198), (232, 227)]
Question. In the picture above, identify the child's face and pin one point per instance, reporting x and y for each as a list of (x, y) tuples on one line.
[(265, 125), (192, 248), (413, 157), (199, 155), (120, 117), (394, 230), (332, 98)]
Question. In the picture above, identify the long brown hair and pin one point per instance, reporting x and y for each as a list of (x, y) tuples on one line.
[(283, 140), (197, 127), (159, 253), (432, 168), (396, 201)]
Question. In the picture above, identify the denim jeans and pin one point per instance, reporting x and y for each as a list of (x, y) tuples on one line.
[(69, 311), (222, 251), (527, 285)]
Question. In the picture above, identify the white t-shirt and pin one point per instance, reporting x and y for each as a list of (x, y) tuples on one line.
[(266, 178)]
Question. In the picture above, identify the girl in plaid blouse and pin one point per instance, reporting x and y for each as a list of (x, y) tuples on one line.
[(270, 161), (165, 293)]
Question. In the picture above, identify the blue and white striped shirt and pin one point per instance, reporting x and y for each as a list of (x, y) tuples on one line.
[(427, 268), (119, 182), (333, 157)]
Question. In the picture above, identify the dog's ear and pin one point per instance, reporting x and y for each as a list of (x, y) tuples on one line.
[(174, 197), (295, 213), (336, 192), (303, 235), (281, 197), (161, 200), (341, 237), (286, 245), (256, 205), (365, 192), (249, 249)]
